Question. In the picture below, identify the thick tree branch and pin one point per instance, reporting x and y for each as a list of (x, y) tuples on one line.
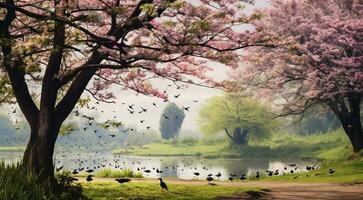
[(66, 105), (13, 66)]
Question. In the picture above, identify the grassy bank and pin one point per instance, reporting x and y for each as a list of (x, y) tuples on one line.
[(348, 167), (103, 191), (12, 148), (278, 146)]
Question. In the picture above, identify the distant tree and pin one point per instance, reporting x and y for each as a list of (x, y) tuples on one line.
[(171, 121), (240, 117), (316, 120)]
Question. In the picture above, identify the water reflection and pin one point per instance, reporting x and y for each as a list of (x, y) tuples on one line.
[(177, 167)]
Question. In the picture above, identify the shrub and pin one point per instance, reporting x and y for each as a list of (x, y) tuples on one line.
[(66, 189), (16, 183)]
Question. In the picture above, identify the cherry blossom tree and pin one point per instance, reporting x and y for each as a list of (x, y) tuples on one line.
[(66, 47), (318, 59)]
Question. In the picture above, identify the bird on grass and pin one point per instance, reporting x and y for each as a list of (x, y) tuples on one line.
[(331, 171), (257, 175), (122, 180), (243, 177), (89, 178), (163, 184), (209, 178)]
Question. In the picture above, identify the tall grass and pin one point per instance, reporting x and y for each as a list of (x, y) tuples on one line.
[(16, 183), (114, 173)]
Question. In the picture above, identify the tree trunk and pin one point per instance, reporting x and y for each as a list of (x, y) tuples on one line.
[(38, 156), (239, 136), (350, 119), (353, 128)]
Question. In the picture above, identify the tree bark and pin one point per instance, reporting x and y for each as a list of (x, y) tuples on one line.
[(38, 156), (350, 119)]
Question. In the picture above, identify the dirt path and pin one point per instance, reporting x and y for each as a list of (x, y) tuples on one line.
[(277, 190)]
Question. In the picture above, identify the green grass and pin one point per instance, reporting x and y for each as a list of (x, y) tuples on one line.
[(111, 191), (113, 173), (348, 167), (12, 148)]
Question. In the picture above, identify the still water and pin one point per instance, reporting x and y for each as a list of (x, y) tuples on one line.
[(176, 167)]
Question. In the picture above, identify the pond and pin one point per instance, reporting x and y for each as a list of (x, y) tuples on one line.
[(175, 167)]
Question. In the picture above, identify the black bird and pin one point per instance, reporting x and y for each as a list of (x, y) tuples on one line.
[(158, 171), (196, 173), (163, 184), (243, 177), (230, 178), (89, 178), (177, 96), (185, 108), (209, 178), (331, 171), (218, 175), (131, 106), (308, 168), (257, 175), (59, 168), (147, 171), (90, 170), (123, 180), (165, 116)]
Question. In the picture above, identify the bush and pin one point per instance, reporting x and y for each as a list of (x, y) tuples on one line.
[(66, 189), (17, 183)]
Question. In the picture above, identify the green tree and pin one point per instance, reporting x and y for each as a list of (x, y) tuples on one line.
[(247, 118), (171, 121)]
